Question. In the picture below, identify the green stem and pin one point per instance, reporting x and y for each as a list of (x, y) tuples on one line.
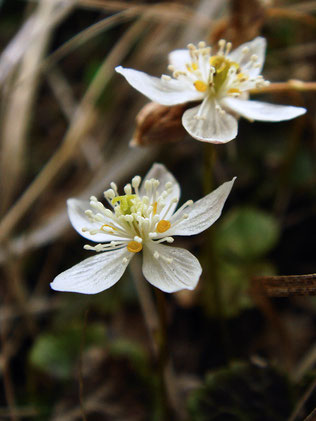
[(156, 322), (212, 286)]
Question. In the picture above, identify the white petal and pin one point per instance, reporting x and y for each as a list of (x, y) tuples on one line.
[(94, 274), (182, 273), (256, 47), (165, 92), (78, 218), (203, 213), (161, 173), (262, 111), (216, 127), (179, 59)]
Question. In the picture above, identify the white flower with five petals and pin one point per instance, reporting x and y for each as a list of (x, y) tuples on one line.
[(221, 81), (140, 220)]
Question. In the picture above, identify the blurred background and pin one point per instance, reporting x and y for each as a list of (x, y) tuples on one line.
[(66, 123)]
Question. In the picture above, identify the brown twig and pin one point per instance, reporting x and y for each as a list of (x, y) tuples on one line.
[(285, 286), (302, 402), (291, 85), (6, 372), (278, 12), (311, 416)]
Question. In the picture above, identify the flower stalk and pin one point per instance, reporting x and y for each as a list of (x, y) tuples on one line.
[(156, 322)]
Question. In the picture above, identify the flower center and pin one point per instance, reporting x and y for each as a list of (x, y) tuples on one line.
[(126, 203), (216, 75), (221, 66), (163, 226), (134, 246)]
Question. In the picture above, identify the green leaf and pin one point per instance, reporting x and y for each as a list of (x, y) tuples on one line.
[(56, 354), (246, 233), (235, 283), (243, 392)]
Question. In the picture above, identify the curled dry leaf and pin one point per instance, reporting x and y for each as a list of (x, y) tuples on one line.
[(157, 124), (244, 23)]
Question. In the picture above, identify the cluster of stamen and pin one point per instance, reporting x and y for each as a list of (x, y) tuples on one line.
[(134, 218), (216, 75)]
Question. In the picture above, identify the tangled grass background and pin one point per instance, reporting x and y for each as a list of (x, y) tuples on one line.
[(66, 124)]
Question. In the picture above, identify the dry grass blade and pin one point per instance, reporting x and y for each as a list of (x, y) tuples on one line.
[(311, 416), (291, 85), (85, 118), (29, 32), (287, 13), (19, 101), (300, 405), (286, 286)]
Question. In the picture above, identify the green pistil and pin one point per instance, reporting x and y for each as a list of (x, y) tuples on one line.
[(222, 66), (125, 203)]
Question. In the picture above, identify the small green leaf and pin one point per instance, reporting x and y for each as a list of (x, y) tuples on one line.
[(57, 354), (243, 392), (235, 283), (246, 233)]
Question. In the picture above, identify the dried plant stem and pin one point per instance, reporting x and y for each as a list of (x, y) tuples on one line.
[(19, 102), (287, 285), (80, 374), (288, 13), (5, 363), (156, 322), (311, 416), (296, 413), (83, 121), (290, 85)]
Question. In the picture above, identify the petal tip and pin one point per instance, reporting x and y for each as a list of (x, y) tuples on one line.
[(119, 69)]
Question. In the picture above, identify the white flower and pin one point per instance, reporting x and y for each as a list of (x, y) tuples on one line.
[(220, 81), (140, 220)]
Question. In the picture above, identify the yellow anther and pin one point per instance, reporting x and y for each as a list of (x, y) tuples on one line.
[(200, 86), (233, 91), (109, 226), (134, 246), (163, 226), (155, 208), (242, 76), (195, 66)]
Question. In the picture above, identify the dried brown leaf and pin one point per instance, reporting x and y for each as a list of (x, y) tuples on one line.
[(158, 124)]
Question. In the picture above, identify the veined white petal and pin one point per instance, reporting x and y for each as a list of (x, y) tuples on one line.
[(262, 111), (76, 212), (183, 272), (214, 126), (94, 274), (165, 92), (160, 172), (255, 47), (203, 213), (179, 59)]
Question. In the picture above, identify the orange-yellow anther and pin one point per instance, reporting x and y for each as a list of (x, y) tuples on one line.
[(242, 77), (233, 91), (200, 86), (134, 246), (155, 208), (109, 226), (194, 66), (163, 226)]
